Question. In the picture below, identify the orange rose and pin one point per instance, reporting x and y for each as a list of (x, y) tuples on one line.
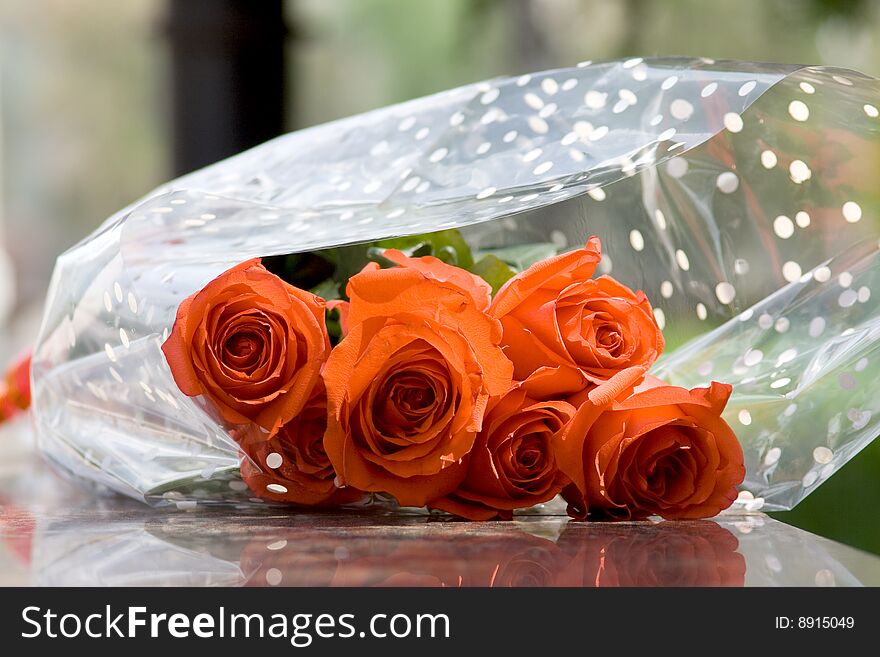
[(513, 462), (408, 386), (292, 466), (15, 388), (250, 343), (662, 451), (568, 332)]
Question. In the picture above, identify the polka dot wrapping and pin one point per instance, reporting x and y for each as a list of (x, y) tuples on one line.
[(740, 197)]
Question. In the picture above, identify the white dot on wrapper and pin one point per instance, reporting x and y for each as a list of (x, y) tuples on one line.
[(483, 148), (780, 383), (636, 240), (274, 460), (701, 311), (538, 125), (490, 96), (791, 271), (741, 266), (438, 155), (237, 485), (108, 303), (799, 171), (605, 264), (598, 133), (871, 111), (677, 167), (542, 168), (597, 194), (768, 159), (822, 455), (798, 110), (660, 218), (132, 303), (727, 182), (123, 337), (825, 577), (559, 239), (807, 88), (861, 365), (569, 139), (802, 219), (846, 381), (549, 86), (783, 227), (709, 89), (782, 324), (852, 211), (569, 84), (666, 135), (681, 109), (117, 292), (817, 326), (765, 321), (660, 316), (809, 479), (745, 418), (273, 577), (733, 122), (790, 410), (772, 456), (485, 193), (406, 124), (682, 259), (509, 136), (656, 120), (534, 101), (108, 349), (666, 289), (277, 545), (276, 488), (456, 119), (725, 292), (845, 279), (786, 356), (847, 298), (864, 294), (533, 154), (669, 82), (822, 274), (595, 99), (753, 357), (705, 369), (747, 88)]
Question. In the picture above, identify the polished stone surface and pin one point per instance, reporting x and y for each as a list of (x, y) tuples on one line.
[(53, 533)]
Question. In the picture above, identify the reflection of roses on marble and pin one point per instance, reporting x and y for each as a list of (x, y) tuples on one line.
[(698, 553)]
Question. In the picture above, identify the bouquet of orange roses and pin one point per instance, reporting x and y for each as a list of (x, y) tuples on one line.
[(405, 303), (441, 394)]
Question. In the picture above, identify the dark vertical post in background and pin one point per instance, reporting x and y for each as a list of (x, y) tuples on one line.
[(227, 77)]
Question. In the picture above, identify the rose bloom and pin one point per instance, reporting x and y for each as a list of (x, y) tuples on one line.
[(663, 451), (513, 463), (250, 343), (408, 386), (693, 553), (568, 332), (291, 465)]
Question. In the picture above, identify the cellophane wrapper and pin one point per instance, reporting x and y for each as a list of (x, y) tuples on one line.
[(740, 197)]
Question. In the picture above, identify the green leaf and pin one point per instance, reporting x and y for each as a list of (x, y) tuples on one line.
[(494, 271), (327, 290), (522, 256), (447, 245)]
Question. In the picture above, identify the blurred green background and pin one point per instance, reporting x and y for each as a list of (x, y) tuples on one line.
[(84, 109)]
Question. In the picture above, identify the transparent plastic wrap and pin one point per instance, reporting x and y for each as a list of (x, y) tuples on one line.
[(740, 197)]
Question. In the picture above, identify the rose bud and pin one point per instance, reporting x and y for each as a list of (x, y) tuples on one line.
[(663, 451), (250, 343), (567, 332)]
